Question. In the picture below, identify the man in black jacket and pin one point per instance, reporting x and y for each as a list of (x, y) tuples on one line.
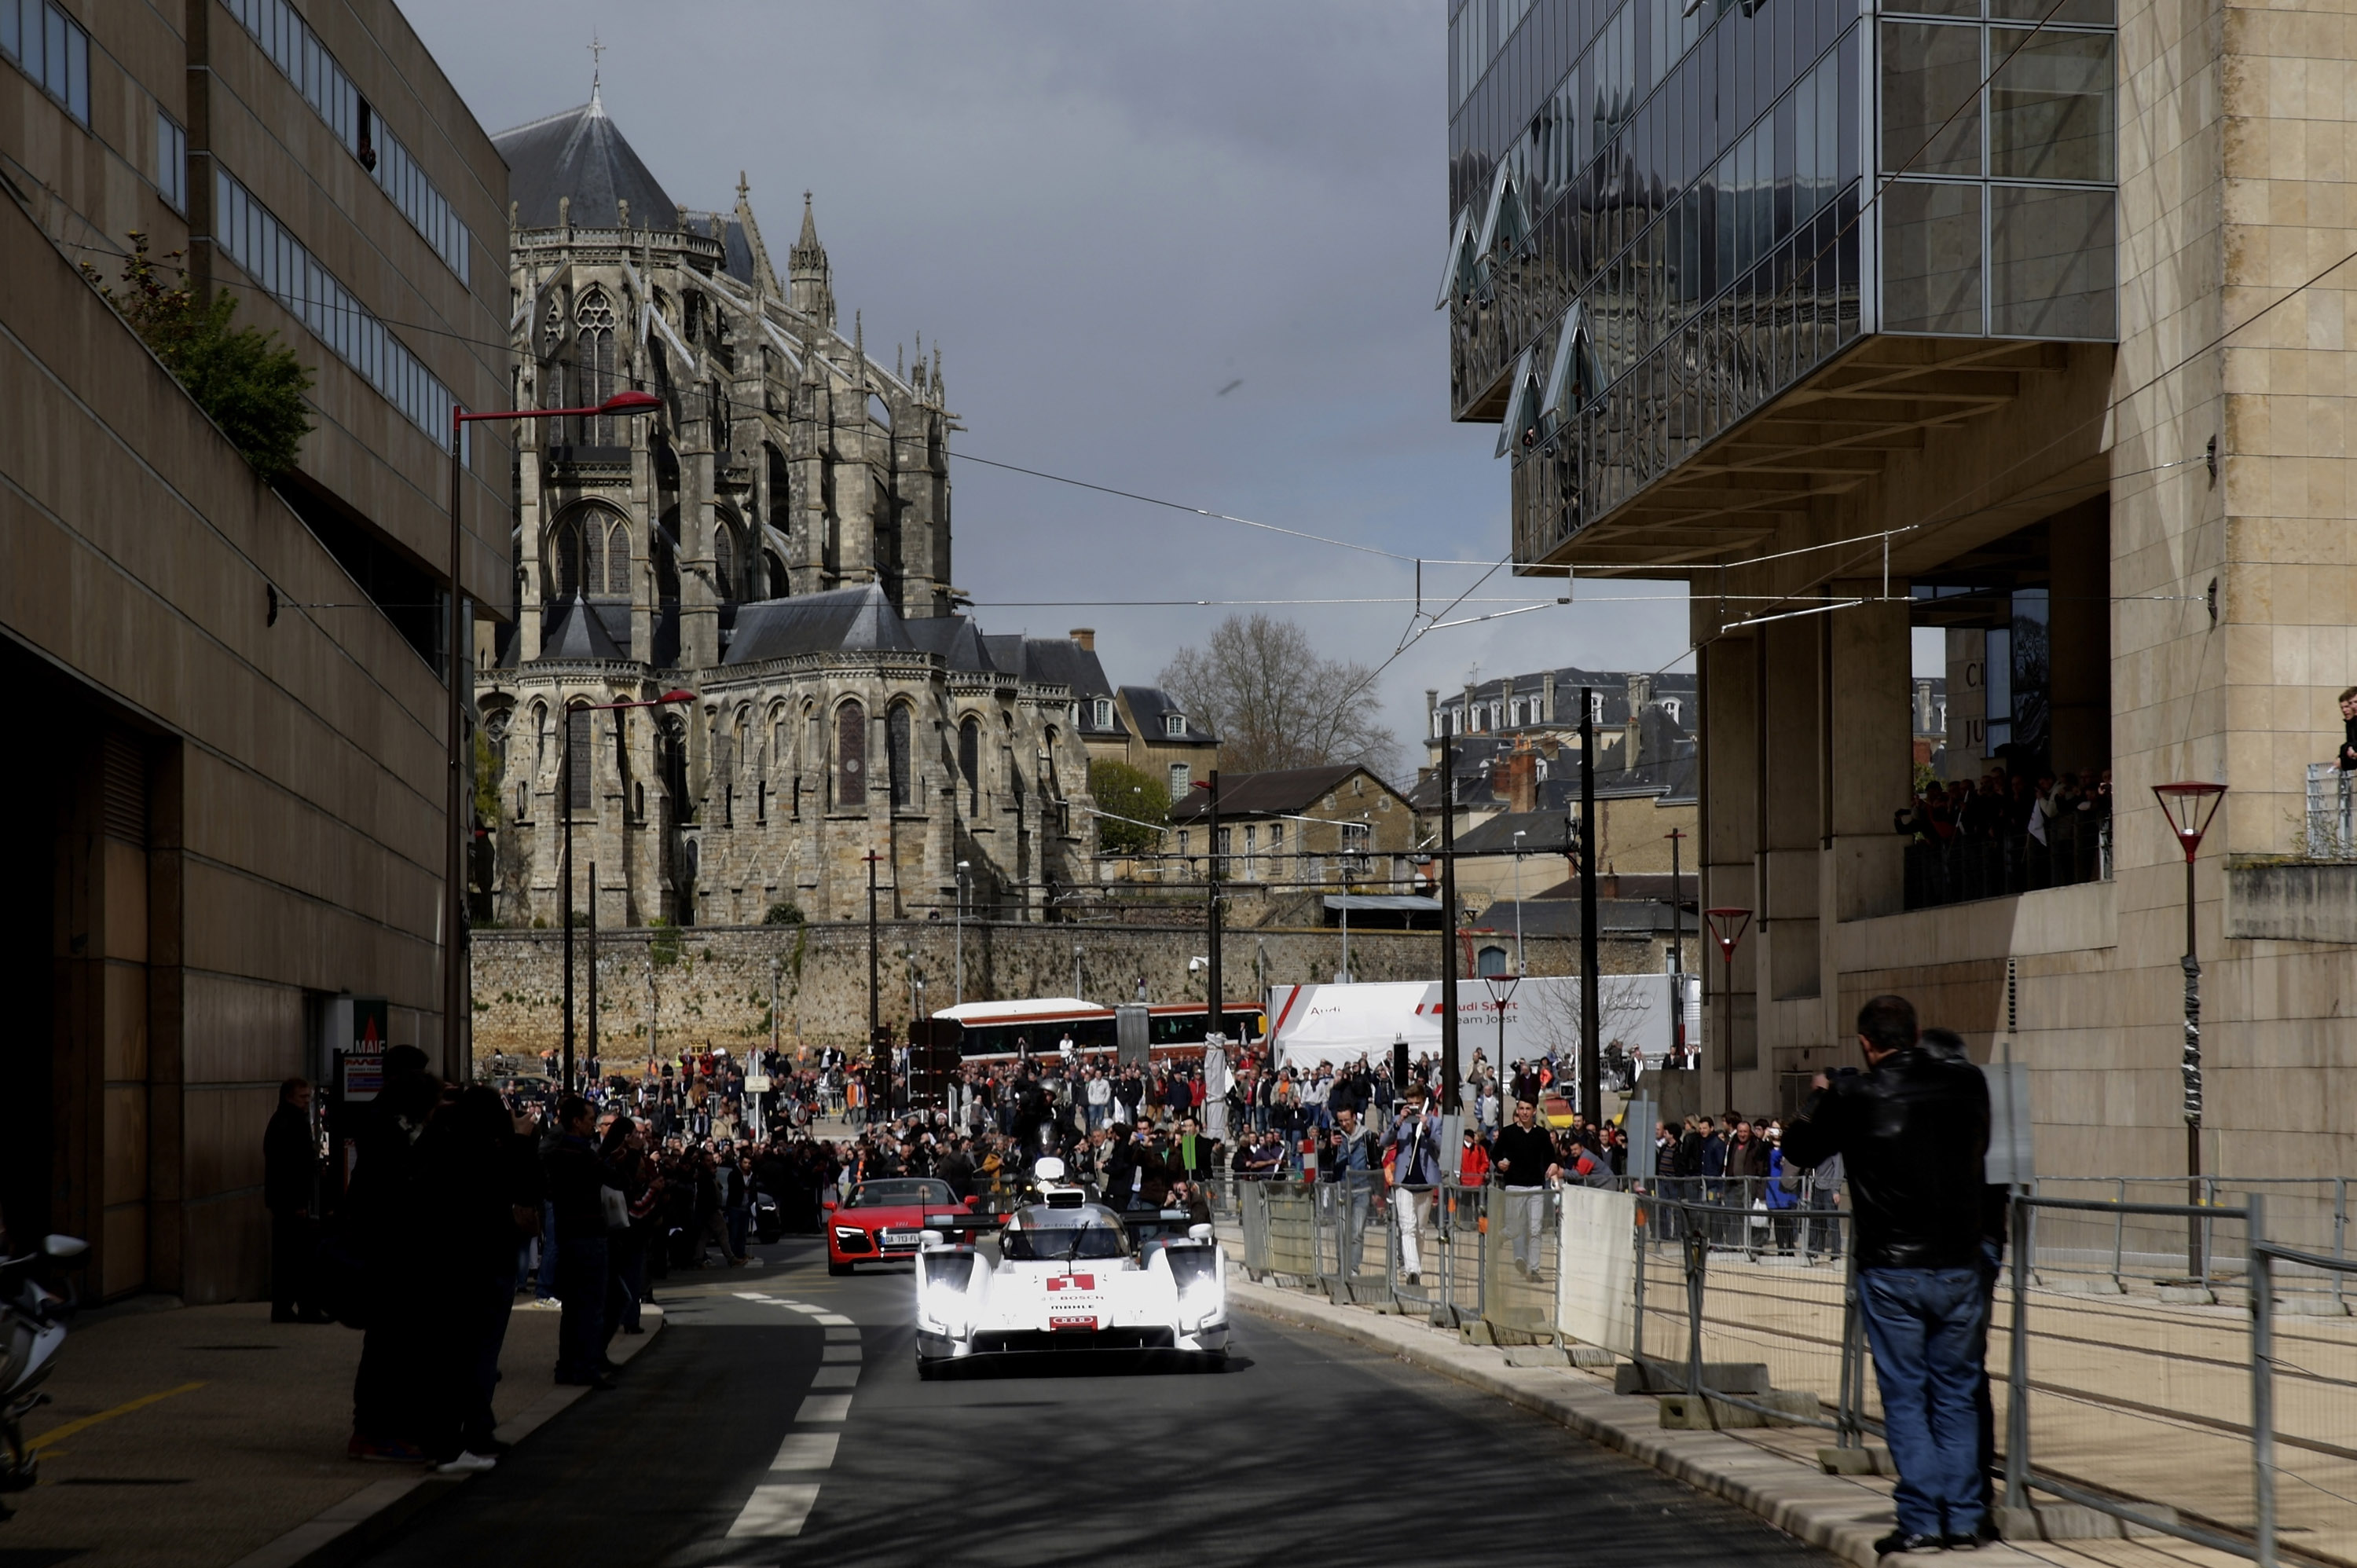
[(290, 1186), (1912, 1131), (576, 1182)]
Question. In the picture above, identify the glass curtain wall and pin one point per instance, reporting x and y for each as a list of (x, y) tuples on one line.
[(1656, 211)]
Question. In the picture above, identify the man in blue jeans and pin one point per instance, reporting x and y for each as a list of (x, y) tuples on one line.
[(1911, 1132)]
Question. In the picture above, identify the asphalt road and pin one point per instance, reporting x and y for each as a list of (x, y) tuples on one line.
[(1302, 1450)]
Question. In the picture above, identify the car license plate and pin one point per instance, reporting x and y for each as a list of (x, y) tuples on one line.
[(1072, 1325), (899, 1238)]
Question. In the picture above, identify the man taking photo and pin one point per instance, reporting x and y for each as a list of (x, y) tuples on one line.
[(1911, 1132)]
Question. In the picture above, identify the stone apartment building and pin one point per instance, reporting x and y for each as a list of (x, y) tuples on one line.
[(236, 830), (1921, 318), (1291, 831), (1143, 727), (774, 539)]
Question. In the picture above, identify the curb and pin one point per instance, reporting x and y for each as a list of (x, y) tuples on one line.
[(1840, 1515), (364, 1520)]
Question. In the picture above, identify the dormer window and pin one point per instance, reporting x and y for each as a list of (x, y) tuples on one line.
[(1104, 712), (1174, 726)]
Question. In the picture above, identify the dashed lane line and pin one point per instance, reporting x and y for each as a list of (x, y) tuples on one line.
[(776, 1509), (824, 1407), (835, 1378), (805, 1451)]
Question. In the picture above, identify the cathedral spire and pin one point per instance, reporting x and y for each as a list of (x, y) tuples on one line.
[(809, 281), (596, 73)]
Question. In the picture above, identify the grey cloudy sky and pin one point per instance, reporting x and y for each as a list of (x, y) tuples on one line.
[(1104, 214)]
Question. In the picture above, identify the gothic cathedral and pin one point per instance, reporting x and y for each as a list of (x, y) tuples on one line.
[(774, 538)]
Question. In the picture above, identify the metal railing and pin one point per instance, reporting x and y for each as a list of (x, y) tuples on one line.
[(2221, 1409), (2330, 831)]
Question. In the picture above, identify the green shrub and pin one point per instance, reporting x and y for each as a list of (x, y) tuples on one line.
[(244, 379), (783, 915)]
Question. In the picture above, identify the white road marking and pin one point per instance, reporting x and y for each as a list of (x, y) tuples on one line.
[(833, 1319), (835, 1378), (843, 1336), (751, 1295), (841, 1353), (824, 1407), (805, 1451), (776, 1509)]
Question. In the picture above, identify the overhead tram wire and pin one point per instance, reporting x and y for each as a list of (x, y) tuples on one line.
[(1620, 568)]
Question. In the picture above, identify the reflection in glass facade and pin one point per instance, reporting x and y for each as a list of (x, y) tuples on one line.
[(1663, 214)]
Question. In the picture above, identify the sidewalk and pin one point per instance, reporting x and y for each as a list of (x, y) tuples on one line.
[(1771, 1472), (210, 1437)]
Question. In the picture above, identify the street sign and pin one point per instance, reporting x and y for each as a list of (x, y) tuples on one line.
[(757, 1083), (370, 1016)]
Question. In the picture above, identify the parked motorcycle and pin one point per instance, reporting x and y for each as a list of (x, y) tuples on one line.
[(32, 1328)]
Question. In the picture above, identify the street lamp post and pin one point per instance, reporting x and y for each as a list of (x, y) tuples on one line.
[(455, 1058), (1522, 961), (880, 1054), (1076, 972), (1727, 929), (564, 795), (1502, 991), (963, 867), (2189, 805)]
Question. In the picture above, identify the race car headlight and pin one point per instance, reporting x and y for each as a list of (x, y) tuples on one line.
[(942, 1305)]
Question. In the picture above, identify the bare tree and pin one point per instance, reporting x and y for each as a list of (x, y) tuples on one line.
[(1275, 703)]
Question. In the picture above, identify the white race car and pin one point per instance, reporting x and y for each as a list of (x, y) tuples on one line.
[(1070, 1274)]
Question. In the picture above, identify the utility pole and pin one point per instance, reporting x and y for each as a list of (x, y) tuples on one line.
[(1452, 1088), (1213, 1024), (1677, 948), (1591, 1064), (879, 1056), (562, 798), (592, 1069)]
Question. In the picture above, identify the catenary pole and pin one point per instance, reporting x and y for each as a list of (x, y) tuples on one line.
[(1592, 1066)]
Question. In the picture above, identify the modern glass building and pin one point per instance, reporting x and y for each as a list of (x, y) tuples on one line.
[(1669, 214), (2023, 321)]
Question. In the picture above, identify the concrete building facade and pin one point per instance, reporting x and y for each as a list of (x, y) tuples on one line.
[(1863, 322), (236, 827)]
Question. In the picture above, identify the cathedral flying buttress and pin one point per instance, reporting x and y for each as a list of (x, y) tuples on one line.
[(774, 538)]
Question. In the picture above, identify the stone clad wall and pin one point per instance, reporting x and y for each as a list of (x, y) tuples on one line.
[(713, 984)]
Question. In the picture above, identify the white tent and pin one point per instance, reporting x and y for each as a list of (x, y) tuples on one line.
[(1313, 1023)]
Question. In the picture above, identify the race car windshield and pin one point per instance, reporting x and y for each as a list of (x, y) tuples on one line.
[(905, 1192), (1054, 1235)]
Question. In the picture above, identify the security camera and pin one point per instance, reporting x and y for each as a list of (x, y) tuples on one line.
[(1196, 963)]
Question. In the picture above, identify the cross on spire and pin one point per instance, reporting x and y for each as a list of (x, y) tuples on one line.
[(596, 46)]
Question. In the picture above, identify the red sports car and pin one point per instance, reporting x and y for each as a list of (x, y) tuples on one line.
[(883, 1219)]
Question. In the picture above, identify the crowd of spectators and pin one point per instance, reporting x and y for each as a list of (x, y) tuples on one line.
[(2007, 832)]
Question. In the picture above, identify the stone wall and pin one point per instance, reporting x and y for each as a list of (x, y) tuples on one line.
[(713, 984)]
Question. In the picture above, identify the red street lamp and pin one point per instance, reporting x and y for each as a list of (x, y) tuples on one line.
[(1727, 927), (565, 787), (1502, 991), (2189, 805), (454, 912)]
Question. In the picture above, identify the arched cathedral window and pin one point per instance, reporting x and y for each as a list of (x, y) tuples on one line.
[(592, 351), (897, 750), (850, 756), (724, 559), (970, 763)]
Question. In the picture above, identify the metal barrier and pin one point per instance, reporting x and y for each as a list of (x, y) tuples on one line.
[(1344, 1210), (1707, 1293), (1520, 1264), (2228, 1393)]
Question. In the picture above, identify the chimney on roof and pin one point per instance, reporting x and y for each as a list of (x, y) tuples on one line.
[(1546, 697), (1506, 692), (1086, 636)]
